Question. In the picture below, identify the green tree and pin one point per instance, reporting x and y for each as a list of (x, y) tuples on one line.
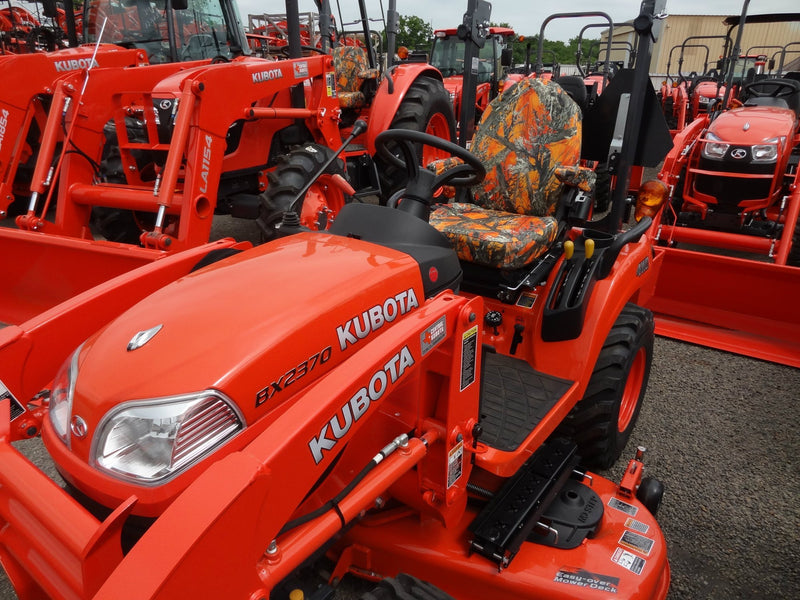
[(414, 33)]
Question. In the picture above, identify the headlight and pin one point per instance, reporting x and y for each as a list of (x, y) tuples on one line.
[(703, 100), (150, 441), (60, 409), (713, 147), (767, 152)]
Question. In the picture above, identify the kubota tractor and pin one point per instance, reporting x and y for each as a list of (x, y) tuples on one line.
[(115, 35), (421, 409), (730, 234), (154, 161)]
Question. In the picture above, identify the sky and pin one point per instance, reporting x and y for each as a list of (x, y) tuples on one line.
[(526, 16)]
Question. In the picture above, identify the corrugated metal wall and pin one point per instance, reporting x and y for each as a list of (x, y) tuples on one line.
[(758, 38)]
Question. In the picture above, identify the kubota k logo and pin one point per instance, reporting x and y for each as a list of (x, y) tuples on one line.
[(739, 153)]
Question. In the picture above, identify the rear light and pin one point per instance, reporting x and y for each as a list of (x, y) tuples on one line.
[(149, 442), (652, 195), (713, 147)]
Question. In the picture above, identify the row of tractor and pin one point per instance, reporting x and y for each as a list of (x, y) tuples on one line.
[(406, 381)]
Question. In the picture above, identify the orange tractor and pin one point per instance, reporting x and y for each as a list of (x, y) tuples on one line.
[(415, 416), (729, 236)]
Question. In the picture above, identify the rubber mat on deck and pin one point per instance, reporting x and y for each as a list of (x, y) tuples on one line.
[(514, 398)]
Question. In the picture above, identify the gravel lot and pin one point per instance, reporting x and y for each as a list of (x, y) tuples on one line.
[(723, 433)]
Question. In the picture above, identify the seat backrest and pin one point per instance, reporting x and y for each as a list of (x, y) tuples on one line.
[(525, 134), (348, 62)]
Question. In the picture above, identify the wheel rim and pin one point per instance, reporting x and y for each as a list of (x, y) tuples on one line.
[(632, 391), (438, 126)]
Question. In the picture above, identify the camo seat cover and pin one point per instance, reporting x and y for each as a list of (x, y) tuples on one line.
[(352, 69), (527, 134)]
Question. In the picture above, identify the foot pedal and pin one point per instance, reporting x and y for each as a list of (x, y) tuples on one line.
[(504, 524)]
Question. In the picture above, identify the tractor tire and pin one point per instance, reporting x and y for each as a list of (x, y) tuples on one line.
[(292, 173), (602, 189), (602, 421), (427, 108), (405, 587), (793, 260)]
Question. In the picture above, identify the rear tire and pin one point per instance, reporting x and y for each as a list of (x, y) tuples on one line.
[(405, 587), (602, 422), (427, 108), (321, 202)]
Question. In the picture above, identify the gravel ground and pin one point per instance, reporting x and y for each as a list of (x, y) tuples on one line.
[(722, 433)]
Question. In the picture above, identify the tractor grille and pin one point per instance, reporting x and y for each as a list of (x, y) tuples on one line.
[(730, 191)]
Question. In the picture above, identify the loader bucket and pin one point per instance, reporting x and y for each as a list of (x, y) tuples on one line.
[(732, 304)]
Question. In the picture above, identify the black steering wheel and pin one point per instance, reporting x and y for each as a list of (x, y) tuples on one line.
[(408, 140), (771, 88)]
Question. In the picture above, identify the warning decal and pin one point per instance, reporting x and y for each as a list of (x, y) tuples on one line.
[(637, 525), (16, 407), (586, 579), (469, 353), (633, 563), (637, 542), (455, 461), (628, 509)]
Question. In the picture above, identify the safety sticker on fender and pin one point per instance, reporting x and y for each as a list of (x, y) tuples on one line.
[(628, 509), (469, 352), (634, 541), (586, 579), (637, 525), (633, 563), (16, 408), (455, 461)]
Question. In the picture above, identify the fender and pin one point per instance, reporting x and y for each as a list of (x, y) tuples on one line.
[(386, 104)]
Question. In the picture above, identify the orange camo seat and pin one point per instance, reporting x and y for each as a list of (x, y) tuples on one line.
[(529, 140), (352, 69)]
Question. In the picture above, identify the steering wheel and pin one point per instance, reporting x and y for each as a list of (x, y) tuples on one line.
[(467, 174), (771, 88), (285, 50)]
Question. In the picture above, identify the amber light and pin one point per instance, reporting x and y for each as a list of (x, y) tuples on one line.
[(402, 52), (652, 195)]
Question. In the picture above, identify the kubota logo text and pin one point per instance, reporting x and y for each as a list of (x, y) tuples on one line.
[(74, 64), (268, 75), (373, 318), (355, 408), (3, 125), (205, 165)]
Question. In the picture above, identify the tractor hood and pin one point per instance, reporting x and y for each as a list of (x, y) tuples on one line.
[(241, 337), (750, 125)]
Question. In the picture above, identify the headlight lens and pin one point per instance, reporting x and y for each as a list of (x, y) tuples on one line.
[(714, 147), (767, 152), (60, 409), (150, 441)]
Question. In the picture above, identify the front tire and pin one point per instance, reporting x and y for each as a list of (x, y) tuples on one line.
[(427, 108), (319, 205), (602, 422), (405, 587)]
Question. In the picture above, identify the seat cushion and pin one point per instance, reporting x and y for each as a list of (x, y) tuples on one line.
[(494, 238)]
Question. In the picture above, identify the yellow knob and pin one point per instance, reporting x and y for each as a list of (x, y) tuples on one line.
[(296, 595), (569, 249), (588, 246)]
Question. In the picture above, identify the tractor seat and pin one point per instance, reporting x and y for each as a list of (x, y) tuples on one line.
[(352, 70), (529, 140)]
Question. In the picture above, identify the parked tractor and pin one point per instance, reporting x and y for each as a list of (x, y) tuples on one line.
[(114, 36), (493, 63), (730, 234), (418, 418)]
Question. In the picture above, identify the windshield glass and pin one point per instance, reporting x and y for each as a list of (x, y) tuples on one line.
[(447, 55), (201, 30)]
